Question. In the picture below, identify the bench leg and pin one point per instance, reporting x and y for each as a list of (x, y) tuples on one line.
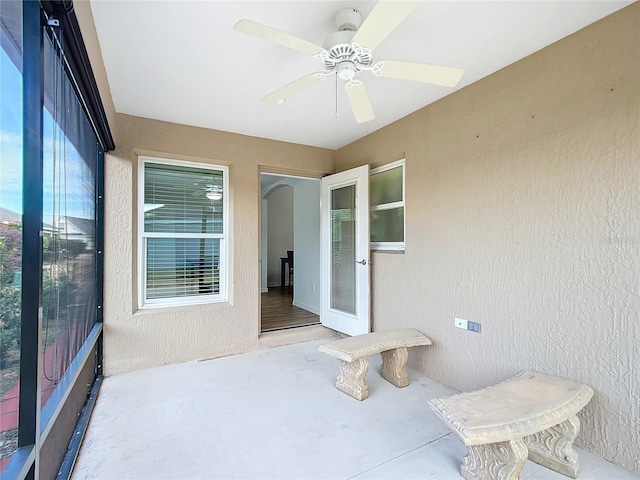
[(392, 369), (351, 378), (553, 447), (495, 461)]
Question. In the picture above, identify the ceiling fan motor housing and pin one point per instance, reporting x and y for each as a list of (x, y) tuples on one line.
[(338, 44), (341, 55)]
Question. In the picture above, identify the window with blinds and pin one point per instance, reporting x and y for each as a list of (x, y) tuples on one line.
[(386, 204), (183, 232)]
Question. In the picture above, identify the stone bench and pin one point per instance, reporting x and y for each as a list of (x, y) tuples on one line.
[(353, 352), (530, 415)]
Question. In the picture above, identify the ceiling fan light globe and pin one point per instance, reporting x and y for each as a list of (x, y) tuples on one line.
[(346, 71)]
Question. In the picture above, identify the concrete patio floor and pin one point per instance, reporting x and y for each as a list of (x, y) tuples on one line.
[(275, 414)]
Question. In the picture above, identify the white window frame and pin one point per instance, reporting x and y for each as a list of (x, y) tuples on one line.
[(394, 246), (143, 302)]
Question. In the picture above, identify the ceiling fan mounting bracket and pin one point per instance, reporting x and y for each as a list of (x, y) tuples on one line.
[(348, 19)]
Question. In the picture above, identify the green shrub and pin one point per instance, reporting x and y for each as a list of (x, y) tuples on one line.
[(10, 307)]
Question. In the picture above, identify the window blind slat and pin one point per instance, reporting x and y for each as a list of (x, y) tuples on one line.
[(175, 199)]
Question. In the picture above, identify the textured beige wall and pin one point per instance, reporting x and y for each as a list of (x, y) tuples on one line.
[(146, 338), (523, 214), (136, 339)]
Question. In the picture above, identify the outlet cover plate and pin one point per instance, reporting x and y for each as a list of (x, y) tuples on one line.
[(461, 323)]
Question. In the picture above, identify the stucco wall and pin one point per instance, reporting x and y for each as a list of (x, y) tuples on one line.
[(136, 339), (140, 339), (523, 214)]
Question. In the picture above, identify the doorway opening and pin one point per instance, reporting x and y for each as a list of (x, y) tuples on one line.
[(289, 252)]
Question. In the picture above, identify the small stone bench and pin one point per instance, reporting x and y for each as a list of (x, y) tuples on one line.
[(530, 415), (353, 352)]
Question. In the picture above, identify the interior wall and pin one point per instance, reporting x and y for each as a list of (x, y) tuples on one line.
[(306, 219), (264, 221), (523, 214), (305, 206), (279, 232)]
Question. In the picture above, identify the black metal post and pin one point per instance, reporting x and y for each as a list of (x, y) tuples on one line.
[(31, 223), (33, 96)]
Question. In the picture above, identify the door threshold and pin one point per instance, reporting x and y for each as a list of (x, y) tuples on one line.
[(278, 338), (279, 329)]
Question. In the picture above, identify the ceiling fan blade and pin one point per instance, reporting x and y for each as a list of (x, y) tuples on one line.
[(359, 101), (281, 94), (385, 16), (422, 72), (277, 36)]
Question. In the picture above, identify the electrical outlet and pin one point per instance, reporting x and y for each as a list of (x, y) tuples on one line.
[(467, 325), (461, 323), (474, 327)]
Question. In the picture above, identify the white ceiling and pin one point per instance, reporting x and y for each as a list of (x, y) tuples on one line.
[(181, 61)]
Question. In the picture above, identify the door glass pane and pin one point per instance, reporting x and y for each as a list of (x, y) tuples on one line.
[(386, 186), (343, 249), (387, 225), (10, 223)]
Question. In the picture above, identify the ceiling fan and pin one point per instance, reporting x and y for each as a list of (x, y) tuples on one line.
[(211, 191), (348, 52)]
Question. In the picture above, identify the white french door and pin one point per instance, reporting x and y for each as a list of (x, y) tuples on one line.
[(344, 300)]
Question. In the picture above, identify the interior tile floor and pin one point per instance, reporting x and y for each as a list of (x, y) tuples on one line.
[(275, 414)]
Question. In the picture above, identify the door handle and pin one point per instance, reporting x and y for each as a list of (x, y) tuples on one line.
[(362, 262)]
